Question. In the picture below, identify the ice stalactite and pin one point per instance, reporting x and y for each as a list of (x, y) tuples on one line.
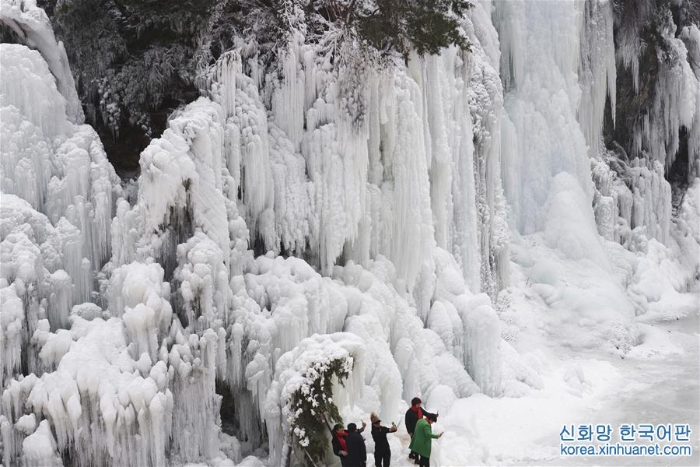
[(48, 164), (629, 41), (481, 344), (411, 151), (659, 120), (597, 71), (12, 316), (632, 201), (250, 160), (33, 28), (690, 35), (186, 217), (485, 97), (558, 71), (675, 105), (78, 184), (539, 67)]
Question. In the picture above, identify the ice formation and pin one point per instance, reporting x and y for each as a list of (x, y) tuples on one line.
[(276, 228), (33, 28)]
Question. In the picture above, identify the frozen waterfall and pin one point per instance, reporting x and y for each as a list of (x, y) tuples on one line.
[(283, 222)]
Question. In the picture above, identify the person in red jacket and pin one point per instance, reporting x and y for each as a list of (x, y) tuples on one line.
[(340, 445)]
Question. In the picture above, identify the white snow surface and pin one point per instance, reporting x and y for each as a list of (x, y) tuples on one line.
[(456, 241)]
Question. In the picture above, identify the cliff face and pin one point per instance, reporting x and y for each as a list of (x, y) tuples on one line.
[(656, 113)]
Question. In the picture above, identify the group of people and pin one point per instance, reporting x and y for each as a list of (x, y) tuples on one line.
[(349, 445)]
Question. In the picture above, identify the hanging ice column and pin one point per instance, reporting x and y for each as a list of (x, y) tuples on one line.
[(597, 71), (546, 164), (540, 44), (57, 195), (33, 27)]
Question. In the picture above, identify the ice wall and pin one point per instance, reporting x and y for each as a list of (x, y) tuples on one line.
[(58, 192), (51, 166), (540, 51), (424, 152), (676, 101), (558, 70), (597, 71), (186, 308), (255, 310), (659, 118)]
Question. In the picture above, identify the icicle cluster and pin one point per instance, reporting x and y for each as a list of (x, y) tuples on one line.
[(597, 71), (540, 45), (49, 165), (676, 103), (33, 28), (185, 308)]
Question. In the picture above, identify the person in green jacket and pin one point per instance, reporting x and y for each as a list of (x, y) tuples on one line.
[(423, 438)]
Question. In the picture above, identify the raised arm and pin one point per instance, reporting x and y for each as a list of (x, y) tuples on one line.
[(364, 425), (429, 432)]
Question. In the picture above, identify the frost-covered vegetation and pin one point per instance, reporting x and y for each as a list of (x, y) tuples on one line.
[(136, 61), (315, 232)]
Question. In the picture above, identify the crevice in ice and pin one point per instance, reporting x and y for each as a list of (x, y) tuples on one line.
[(176, 229), (229, 421), (679, 175)]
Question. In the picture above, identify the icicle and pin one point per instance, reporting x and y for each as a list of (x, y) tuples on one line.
[(597, 70), (227, 67), (33, 26), (543, 98)]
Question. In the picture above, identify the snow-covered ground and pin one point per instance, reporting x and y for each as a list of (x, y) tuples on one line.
[(657, 381)]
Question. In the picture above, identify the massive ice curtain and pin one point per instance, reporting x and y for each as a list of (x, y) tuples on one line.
[(282, 224)]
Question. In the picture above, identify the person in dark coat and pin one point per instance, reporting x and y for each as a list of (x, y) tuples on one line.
[(339, 441), (413, 414), (382, 451), (357, 452), (340, 445)]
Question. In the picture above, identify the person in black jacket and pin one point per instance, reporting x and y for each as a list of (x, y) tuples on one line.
[(357, 452), (413, 414), (382, 451)]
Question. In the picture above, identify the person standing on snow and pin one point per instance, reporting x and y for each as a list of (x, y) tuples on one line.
[(357, 452), (340, 443), (422, 439), (382, 451), (413, 415)]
